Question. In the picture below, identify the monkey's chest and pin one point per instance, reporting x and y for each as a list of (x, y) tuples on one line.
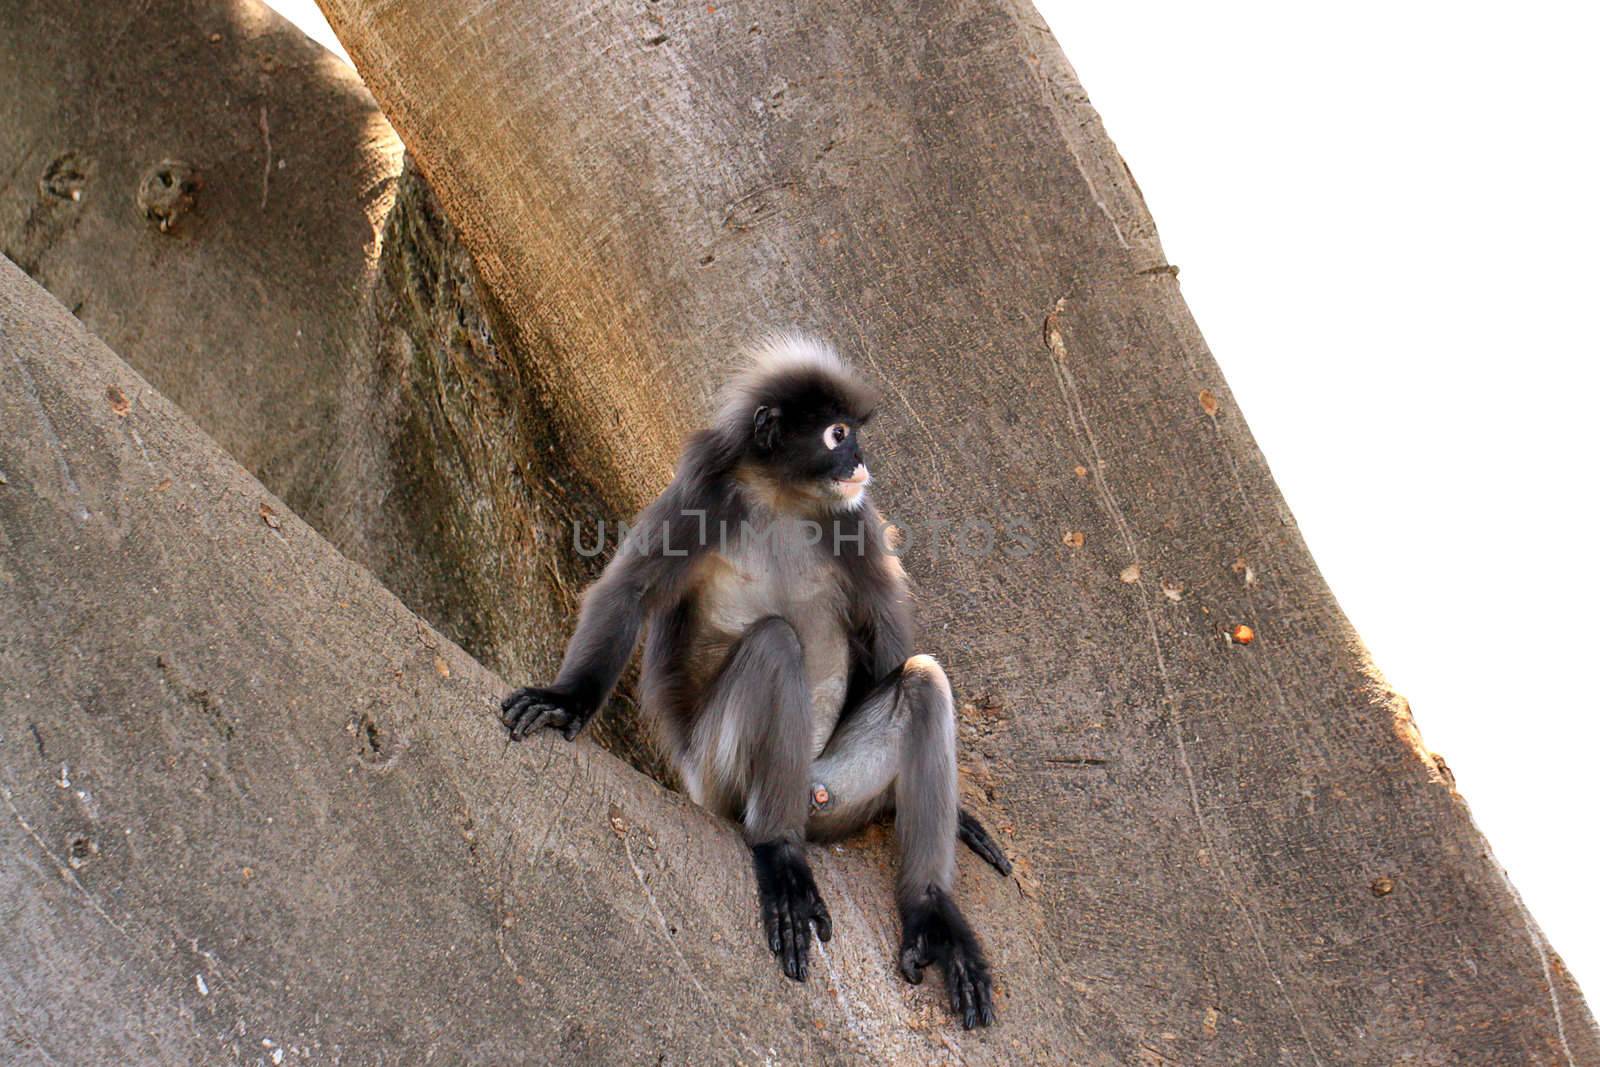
[(747, 587)]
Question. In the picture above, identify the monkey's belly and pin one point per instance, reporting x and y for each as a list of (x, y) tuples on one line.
[(827, 666), (738, 596), (827, 672)]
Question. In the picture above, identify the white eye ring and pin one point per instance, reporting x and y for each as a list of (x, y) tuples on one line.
[(834, 435)]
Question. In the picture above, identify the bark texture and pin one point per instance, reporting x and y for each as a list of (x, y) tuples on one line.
[(248, 306), (1231, 853), (309, 305)]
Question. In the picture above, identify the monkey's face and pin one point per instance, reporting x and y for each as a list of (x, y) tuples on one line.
[(805, 432), (847, 475), (819, 453)]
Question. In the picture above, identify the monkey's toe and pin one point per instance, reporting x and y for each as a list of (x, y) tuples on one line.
[(971, 992), (912, 960), (789, 931), (936, 933), (978, 839), (790, 906)]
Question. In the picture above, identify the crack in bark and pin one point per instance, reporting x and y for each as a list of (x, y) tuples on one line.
[(62, 868)]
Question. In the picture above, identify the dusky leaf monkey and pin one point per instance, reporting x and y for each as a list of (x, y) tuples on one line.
[(778, 668)]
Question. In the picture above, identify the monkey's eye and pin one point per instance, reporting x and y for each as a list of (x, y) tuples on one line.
[(834, 435)]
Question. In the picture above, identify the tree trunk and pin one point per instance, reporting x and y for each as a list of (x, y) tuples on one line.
[(311, 307), (248, 306), (1231, 852), (1202, 829)]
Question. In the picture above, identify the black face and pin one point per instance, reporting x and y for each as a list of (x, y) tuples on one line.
[(805, 425), (820, 446)]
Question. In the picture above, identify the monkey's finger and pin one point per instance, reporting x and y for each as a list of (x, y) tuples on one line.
[(985, 1001), (539, 714), (517, 705), (910, 965), (823, 920), (514, 727), (517, 701), (511, 707), (571, 729), (525, 718)]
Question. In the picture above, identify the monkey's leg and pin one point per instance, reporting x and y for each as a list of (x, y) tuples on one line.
[(855, 774), (749, 753), (901, 742), (896, 749)]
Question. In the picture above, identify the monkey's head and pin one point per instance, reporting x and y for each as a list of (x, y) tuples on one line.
[(797, 410)]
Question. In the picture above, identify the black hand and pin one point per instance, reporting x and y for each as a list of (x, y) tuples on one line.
[(934, 931), (790, 905), (526, 710)]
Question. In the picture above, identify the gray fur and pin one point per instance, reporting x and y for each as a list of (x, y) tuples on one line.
[(925, 791), (775, 572)]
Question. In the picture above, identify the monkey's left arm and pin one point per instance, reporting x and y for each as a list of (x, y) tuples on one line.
[(882, 630)]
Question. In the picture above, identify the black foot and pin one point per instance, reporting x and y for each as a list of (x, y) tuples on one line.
[(790, 904), (972, 833), (526, 710), (935, 932)]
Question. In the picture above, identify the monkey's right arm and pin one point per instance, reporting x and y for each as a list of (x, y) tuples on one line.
[(608, 628), (649, 566)]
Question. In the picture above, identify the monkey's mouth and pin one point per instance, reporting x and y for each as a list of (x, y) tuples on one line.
[(852, 487)]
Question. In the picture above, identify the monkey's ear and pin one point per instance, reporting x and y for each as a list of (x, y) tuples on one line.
[(766, 427)]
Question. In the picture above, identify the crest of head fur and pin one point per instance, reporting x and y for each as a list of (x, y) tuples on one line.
[(793, 371)]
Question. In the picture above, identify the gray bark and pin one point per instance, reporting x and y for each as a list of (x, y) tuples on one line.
[(311, 307), (248, 307)]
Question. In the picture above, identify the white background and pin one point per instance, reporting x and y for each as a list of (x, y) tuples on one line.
[(1385, 219)]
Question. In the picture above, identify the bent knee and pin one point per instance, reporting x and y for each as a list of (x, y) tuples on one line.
[(923, 671), (774, 638)]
